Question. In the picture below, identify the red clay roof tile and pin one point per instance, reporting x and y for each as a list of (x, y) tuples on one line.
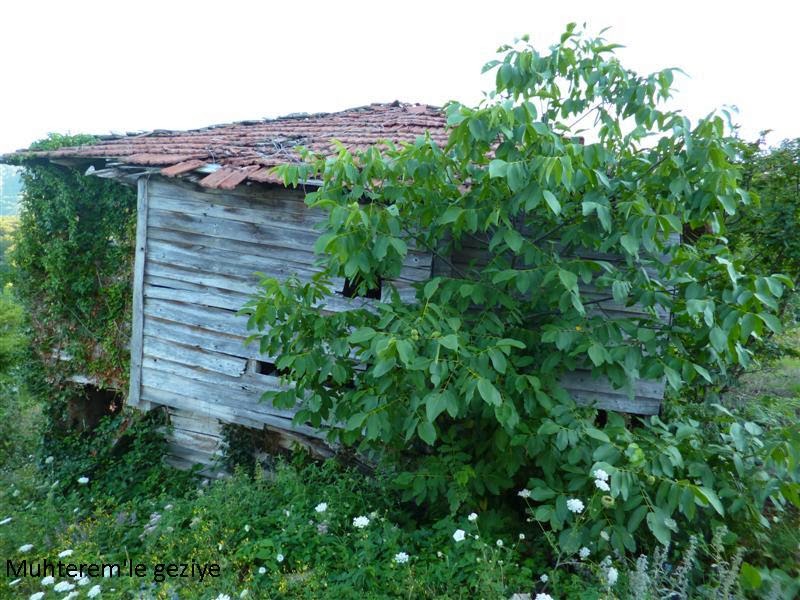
[(246, 150)]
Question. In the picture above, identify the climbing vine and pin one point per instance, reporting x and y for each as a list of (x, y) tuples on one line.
[(73, 260)]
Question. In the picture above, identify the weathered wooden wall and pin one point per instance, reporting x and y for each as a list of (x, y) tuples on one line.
[(197, 254)]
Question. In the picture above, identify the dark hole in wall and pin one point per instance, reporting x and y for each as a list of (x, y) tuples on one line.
[(91, 404), (264, 367), (350, 289)]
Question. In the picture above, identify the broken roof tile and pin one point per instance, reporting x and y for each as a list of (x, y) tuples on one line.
[(245, 150)]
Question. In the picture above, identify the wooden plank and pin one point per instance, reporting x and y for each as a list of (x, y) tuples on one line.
[(256, 415), (233, 282), (225, 364), (189, 421), (244, 391), (200, 338), (205, 317), (137, 311), (209, 444), (292, 214), (162, 397), (160, 287), (586, 390), (275, 235)]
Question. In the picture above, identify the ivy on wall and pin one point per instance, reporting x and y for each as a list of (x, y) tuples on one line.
[(73, 259)]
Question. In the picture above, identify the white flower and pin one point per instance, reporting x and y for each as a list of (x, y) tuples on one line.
[(543, 597), (71, 595), (247, 528), (48, 460), (521, 536), (49, 580), (5, 521), (604, 535), (65, 554), (360, 522), (83, 580), (83, 480), (458, 535), (601, 475), (602, 485), (499, 543), (262, 570), (93, 591), (543, 578), (401, 558), (320, 508), (476, 536), (25, 548), (575, 505), (472, 517), (244, 594), (584, 553), (524, 493), (280, 558), (63, 586), (612, 575), (223, 597), (36, 596), (286, 513)]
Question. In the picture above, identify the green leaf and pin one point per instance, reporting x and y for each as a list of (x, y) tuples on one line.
[(513, 239), (449, 341), (673, 377), (552, 201), (548, 428), (636, 518), (597, 353), (719, 339), (430, 288), (435, 404), (655, 521), (498, 168), (363, 334), (511, 342), (488, 392), (355, 421), (630, 243), (596, 434), (498, 360), (772, 322), (568, 279), (708, 496), (405, 350), (383, 366), (750, 576), (426, 432), (703, 373), (450, 215)]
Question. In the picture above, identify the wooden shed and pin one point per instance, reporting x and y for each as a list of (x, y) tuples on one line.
[(210, 215)]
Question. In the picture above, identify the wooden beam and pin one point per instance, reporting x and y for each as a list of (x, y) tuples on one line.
[(137, 328)]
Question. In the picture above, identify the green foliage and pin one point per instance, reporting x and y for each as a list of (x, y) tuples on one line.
[(8, 226), (765, 232), (73, 257), (111, 456), (570, 162)]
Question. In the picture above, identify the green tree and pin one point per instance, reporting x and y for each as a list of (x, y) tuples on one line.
[(570, 161)]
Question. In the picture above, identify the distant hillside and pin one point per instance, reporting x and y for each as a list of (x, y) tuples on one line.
[(10, 190)]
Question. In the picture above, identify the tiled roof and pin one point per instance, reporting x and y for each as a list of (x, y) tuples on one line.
[(248, 149)]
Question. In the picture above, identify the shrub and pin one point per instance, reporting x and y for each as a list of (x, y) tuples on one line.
[(459, 390)]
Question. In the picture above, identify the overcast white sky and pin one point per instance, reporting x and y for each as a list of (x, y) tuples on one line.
[(106, 66)]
